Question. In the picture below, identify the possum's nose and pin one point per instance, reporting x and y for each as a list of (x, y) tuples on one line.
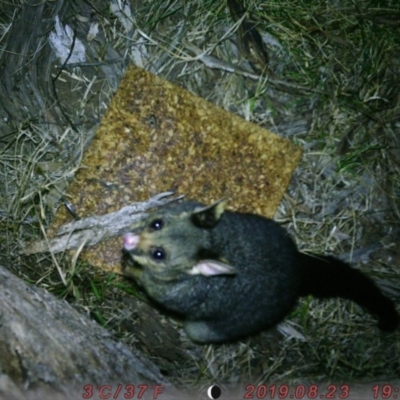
[(131, 241)]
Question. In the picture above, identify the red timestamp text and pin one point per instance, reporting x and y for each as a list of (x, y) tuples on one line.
[(387, 391), (121, 391), (297, 392)]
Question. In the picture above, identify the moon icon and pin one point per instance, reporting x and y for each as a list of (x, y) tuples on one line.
[(214, 392)]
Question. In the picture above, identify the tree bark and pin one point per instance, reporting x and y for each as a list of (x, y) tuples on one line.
[(49, 350)]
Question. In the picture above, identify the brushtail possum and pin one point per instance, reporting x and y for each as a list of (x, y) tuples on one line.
[(227, 274)]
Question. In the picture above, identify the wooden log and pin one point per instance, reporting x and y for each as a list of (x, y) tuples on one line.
[(49, 350)]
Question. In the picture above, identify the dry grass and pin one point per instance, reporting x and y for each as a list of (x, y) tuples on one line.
[(340, 101)]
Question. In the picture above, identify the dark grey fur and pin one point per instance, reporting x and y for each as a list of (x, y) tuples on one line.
[(264, 276)]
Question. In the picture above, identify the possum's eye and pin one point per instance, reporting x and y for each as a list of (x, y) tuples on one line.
[(157, 224), (158, 253)]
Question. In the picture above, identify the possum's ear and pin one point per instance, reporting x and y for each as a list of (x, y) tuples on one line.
[(208, 216), (211, 268)]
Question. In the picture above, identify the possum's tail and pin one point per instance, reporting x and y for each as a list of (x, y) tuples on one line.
[(325, 276)]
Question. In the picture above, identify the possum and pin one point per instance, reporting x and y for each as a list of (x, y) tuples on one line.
[(227, 275)]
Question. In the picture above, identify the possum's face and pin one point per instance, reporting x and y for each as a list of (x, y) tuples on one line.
[(175, 242)]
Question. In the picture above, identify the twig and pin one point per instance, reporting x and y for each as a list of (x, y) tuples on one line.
[(214, 62), (93, 230)]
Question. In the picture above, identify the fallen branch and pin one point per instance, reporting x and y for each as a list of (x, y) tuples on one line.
[(93, 230)]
